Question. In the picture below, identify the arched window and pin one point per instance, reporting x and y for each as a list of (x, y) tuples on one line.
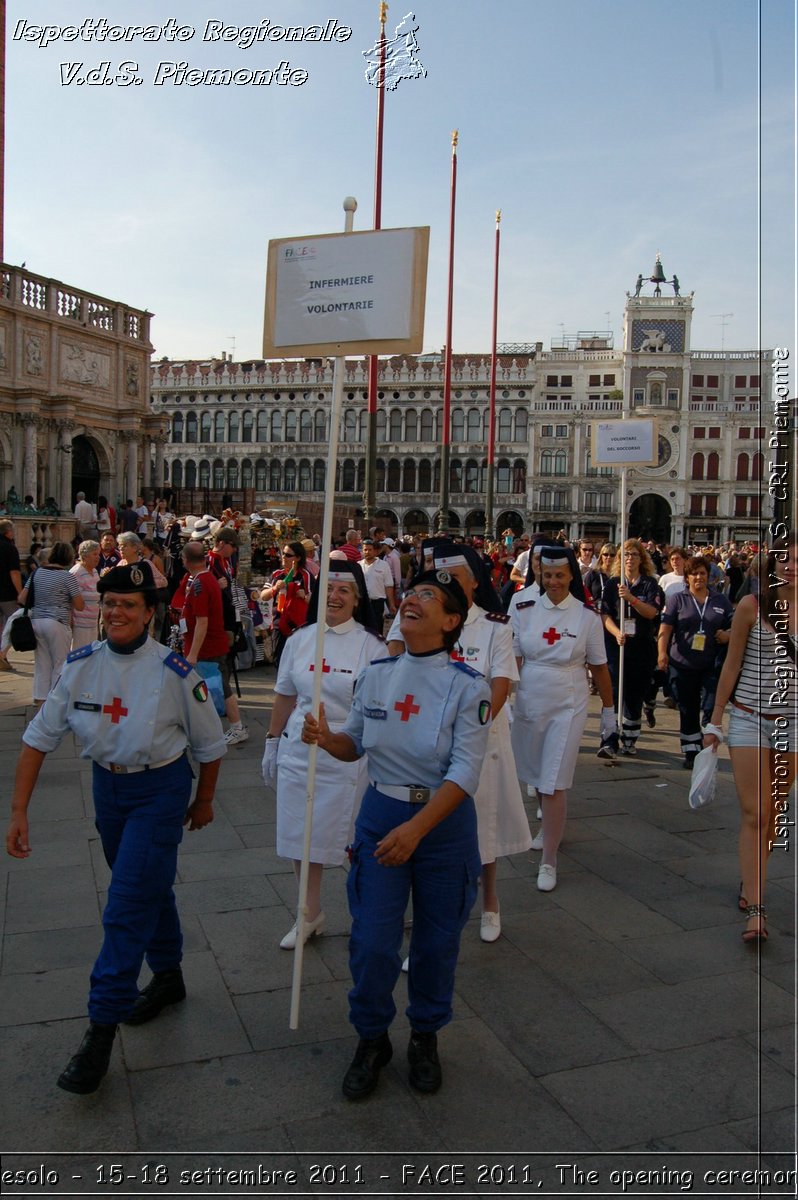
[(275, 475), (363, 425), (474, 425), (742, 466), (206, 427), (262, 426), (232, 473), (247, 425), (547, 462), (560, 462), (290, 429), (191, 473), (411, 425), (234, 423), (319, 475), (320, 425), (177, 473), (191, 427), (502, 475), (277, 425), (395, 425), (425, 475), (261, 475), (472, 475), (304, 474), (348, 475), (713, 465), (519, 476), (427, 432), (177, 427), (456, 475), (218, 475), (380, 475), (305, 426), (756, 467), (247, 474), (521, 425), (458, 425), (382, 427), (505, 431), (361, 475), (409, 475), (218, 427), (349, 426), (394, 480), (204, 473), (698, 466), (289, 476)]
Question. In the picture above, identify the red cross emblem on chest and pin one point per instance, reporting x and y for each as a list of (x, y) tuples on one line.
[(325, 667), (115, 710), (407, 708), (457, 656), (551, 636)]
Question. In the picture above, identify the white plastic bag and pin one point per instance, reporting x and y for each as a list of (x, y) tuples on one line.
[(702, 784)]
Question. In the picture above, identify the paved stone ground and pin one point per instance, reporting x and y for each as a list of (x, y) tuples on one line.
[(619, 1020)]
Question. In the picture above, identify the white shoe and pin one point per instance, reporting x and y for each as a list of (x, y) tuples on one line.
[(547, 878), (311, 929), (537, 840), (406, 964), (540, 813), (234, 736), (490, 927)]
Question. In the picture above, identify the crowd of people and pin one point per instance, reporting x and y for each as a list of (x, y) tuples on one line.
[(452, 669)]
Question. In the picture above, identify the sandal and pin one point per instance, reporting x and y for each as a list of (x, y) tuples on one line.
[(752, 912), (742, 903)]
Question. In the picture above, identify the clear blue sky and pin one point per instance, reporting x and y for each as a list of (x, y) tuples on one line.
[(604, 131)]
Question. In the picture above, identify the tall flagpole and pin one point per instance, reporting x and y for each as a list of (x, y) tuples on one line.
[(443, 510), (350, 206), (370, 483), (489, 531)]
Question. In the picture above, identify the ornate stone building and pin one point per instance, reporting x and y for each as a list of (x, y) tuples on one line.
[(265, 426), (74, 393)]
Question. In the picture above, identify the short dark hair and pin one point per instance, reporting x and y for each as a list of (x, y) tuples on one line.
[(61, 555)]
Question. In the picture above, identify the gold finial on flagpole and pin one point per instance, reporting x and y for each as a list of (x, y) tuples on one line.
[(498, 216), (455, 136), (383, 13)]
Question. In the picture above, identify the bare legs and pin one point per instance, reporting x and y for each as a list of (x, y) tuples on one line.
[(555, 812), (754, 769), (315, 871), (490, 897)]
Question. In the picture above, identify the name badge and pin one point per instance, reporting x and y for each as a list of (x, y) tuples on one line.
[(699, 641), (183, 625), (375, 714), (84, 706), (630, 627)]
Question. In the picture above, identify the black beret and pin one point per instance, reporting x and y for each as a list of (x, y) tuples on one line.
[(128, 578), (447, 583)]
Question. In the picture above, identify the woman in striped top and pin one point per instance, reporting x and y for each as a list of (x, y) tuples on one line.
[(759, 678)]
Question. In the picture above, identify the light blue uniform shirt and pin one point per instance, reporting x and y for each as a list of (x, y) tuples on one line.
[(421, 719), (130, 709)]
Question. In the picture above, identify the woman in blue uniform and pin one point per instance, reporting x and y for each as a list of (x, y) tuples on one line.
[(422, 721), (135, 707)]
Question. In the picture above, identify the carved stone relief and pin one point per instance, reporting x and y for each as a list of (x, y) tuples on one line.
[(80, 364)]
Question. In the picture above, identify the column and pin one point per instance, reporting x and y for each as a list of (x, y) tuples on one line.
[(146, 450), (51, 467), (118, 495), (132, 465), (29, 426), (160, 446), (64, 466)]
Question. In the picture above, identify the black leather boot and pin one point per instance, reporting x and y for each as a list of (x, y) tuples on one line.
[(86, 1069), (165, 987), (364, 1071), (425, 1068)]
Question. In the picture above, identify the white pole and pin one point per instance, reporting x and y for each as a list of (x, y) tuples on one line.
[(622, 606), (350, 205)]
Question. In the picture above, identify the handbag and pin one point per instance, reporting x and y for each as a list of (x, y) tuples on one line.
[(213, 678), (21, 633)]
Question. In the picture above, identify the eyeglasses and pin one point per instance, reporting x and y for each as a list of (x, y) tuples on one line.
[(631, 554), (606, 554), (423, 594), (586, 548), (288, 554)]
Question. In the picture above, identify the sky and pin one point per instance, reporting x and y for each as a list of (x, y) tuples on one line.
[(606, 131)]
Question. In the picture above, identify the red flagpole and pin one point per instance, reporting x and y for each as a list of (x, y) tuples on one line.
[(370, 488), (489, 531), (443, 511)]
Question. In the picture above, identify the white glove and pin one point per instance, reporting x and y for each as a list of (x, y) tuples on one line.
[(269, 764), (609, 723)]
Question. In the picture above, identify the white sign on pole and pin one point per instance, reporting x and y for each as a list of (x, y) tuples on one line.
[(359, 292), (623, 443)]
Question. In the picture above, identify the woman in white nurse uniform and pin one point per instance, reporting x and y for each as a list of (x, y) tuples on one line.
[(349, 646), (554, 637)]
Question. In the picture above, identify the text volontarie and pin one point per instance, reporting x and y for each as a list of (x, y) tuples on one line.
[(179, 72)]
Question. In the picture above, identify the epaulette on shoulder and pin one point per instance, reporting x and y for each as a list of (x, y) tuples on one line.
[(391, 658), (83, 652), (175, 662), (461, 666), (501, 617), (525, 604)]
